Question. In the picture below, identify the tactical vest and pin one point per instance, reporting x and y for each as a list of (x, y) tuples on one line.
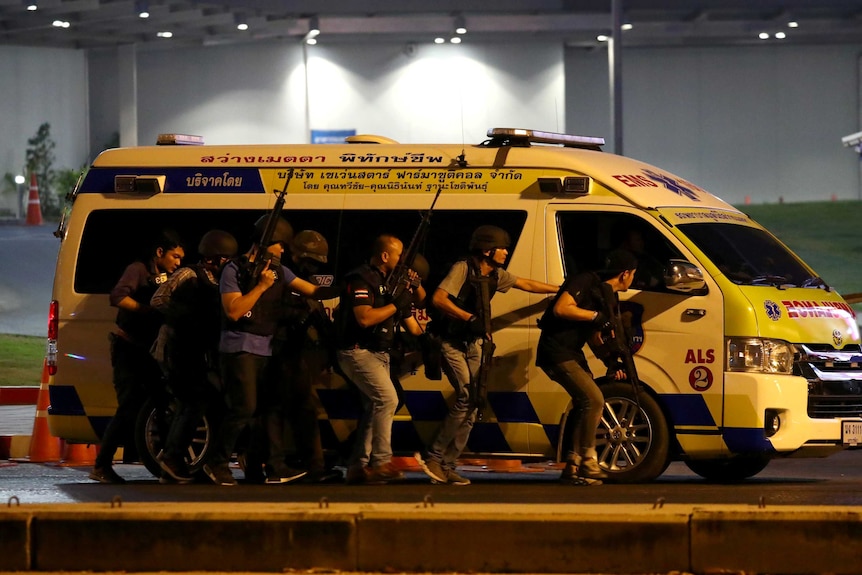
[(469, 300), (262, 319), (349, 332)]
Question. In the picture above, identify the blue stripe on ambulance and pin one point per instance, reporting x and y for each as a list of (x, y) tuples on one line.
[(746, 440), (245, 180), (64, 401), (688, 409)]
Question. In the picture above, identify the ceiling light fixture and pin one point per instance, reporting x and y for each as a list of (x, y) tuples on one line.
[(780, 35), (240, 21), (460, 25), (793, 24), (439, 40), (165, 34), (32, 7), (602, 38), (142, 8), (60, 24), (627, 26), (763, 36), (313, 28), (455, 40)]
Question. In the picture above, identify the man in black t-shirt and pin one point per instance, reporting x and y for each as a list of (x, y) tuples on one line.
[(574, 317)]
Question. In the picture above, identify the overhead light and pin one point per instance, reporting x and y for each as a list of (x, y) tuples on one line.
[(455, 40), (793, 24), (240, 21), (313, 28), (602, 38), (60, 24), (780, 35), (460, 25), (311, 41), (763, 36), (32, 7), (626, 26), (439, 40), (142, 7), (165, 34)]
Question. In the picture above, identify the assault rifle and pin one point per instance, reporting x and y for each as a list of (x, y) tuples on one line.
[(260, 258), (488, 347), (617, 341), (399, 279)]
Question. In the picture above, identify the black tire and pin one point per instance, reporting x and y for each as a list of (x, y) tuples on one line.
[(151, 430), (633, 444), (729, 470)]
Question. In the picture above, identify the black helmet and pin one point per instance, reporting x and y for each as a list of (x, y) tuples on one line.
[(489, 238), (283, 230), (217, 243), (310, 244)]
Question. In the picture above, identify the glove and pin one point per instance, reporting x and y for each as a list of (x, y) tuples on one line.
[(475, 326), (601, 319), (404, 303)]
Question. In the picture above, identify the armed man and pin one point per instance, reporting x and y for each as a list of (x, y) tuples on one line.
[(250, 320), (187, 347), (463, 300), (367, 317), (581, 314), (303, 352)]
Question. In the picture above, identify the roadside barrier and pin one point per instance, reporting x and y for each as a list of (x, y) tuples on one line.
[(34, 208), (44, 447)]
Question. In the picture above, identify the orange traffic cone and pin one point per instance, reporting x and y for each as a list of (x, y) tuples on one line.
[(43, 446), (78, 455), (34, 208)]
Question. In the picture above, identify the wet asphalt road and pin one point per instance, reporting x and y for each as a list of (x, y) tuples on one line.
[(835, 480), (28, 255)]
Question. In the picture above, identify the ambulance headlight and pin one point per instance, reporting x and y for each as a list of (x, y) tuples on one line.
[(754, 354)]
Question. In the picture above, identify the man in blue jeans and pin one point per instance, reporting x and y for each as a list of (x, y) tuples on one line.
[(367, 324), (462, 328)]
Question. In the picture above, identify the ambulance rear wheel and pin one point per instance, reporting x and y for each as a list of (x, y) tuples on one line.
[(729, 470), (632, 441), (151, 431)]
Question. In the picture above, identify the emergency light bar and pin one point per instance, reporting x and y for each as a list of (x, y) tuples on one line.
[(179, 140), (538, 137)]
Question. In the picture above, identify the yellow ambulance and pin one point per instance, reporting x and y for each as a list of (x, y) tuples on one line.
[(743, 352)]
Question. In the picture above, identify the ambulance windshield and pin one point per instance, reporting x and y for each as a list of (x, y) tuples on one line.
[(750, 256)]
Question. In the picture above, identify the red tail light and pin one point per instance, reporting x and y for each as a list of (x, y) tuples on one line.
[(53, 329)]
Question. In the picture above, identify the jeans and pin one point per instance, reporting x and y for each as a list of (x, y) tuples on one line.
[(461, 361), (369, 370), (242, 378), (587, 403)]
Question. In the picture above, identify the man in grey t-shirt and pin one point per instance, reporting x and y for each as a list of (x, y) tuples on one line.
[(459, 298)]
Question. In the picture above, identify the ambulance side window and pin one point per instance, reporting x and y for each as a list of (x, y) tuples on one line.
[(587, 237), (114, 238)]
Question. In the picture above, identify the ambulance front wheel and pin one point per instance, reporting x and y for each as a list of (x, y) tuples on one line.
[(632, 441), (151, 431)]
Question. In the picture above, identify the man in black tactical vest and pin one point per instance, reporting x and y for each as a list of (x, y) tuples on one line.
[(245, 345), (463, 299), (574, 318), (136, 373), (187, 346), (367, 326)]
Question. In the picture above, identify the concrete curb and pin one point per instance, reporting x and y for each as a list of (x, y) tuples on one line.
[(429, 538)]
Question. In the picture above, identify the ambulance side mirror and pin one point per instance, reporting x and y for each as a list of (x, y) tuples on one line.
[(684, 277)]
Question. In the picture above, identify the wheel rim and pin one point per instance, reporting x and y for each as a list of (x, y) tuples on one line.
[(197, 449), (625, 435)]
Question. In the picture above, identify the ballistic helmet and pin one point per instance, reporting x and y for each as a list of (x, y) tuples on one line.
[(421, 266), (283, 230), (489, 238), (310, 244), (217, 243)]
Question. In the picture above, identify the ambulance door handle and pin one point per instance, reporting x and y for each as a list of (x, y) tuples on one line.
[(691, 312)]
